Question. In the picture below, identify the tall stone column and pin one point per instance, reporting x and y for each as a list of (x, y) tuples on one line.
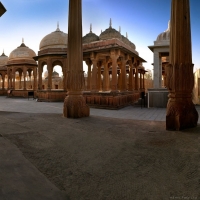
[(136, 76), (20, 79), (89, 64), (181, 112), (130, 88), (157, 83), (143, 84), (74, 104), (123, 74), (94, 73), (24, 72), (140, 80), (114, 56), (106, 77), (13, 77), (40, 70), (99, 77), (50, 70), (35, 78)]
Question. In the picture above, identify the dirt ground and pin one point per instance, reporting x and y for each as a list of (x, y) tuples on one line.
[(99, 158)]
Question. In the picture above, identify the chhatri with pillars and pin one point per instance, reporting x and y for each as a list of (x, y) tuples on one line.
[(115, 71)]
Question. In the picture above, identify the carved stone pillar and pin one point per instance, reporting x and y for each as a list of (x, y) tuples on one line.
[(136, 76), (8, 75), (40, 70), (94, 73), (114, 56), (157, 83), (35, 78), (50, 70), (13, 78), (20, 79), (89, 64), (99, 82), (181, 112), (65, 75), (24, 72), (74, 104), (106, 77), (123, 74), (130, 85), (143, 84), (140, 80)]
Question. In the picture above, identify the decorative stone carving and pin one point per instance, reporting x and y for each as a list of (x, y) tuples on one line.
[(181, 112), (74, 104)]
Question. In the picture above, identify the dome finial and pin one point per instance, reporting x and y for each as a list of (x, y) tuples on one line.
[(90, 28), (22, 40), (3, 54), (120, 29), (58, 29), (110, 23), (126, 35)]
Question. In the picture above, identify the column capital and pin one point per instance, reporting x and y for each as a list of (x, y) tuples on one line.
[(114, 54)]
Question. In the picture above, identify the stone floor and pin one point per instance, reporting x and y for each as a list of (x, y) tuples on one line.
[(118, 154)]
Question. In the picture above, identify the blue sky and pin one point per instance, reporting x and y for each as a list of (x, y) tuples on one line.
[(143, 20)]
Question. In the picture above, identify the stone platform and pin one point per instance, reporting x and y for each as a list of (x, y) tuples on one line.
[(111, 100), (109, 155)]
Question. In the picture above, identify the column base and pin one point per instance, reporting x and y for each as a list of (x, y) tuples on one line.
[(75, 107), (181, 114)]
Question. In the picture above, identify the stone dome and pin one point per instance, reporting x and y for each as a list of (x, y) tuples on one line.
[(56, 39), (165, 36), (22, 55), (90, 37), (3, 60), (128, 42), (110, 33)]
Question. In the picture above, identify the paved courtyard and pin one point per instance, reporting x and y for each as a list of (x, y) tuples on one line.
[(114, 154)]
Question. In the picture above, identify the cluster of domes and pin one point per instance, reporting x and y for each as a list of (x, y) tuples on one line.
[(109, 33), (22, 54), (56, 39)]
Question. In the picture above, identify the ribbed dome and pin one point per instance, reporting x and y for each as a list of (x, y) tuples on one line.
[(56, 39), (3, 60), (110, 33), (22, 54), (90, 37), (165, 35)]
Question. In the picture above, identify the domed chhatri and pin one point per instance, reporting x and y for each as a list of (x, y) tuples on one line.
[(165, 36), (22, 54), (56, 39), (90, 37), (110, 33)]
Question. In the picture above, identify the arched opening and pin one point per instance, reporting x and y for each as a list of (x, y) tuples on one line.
[(44, 76), (18, 79), (57, 76)]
